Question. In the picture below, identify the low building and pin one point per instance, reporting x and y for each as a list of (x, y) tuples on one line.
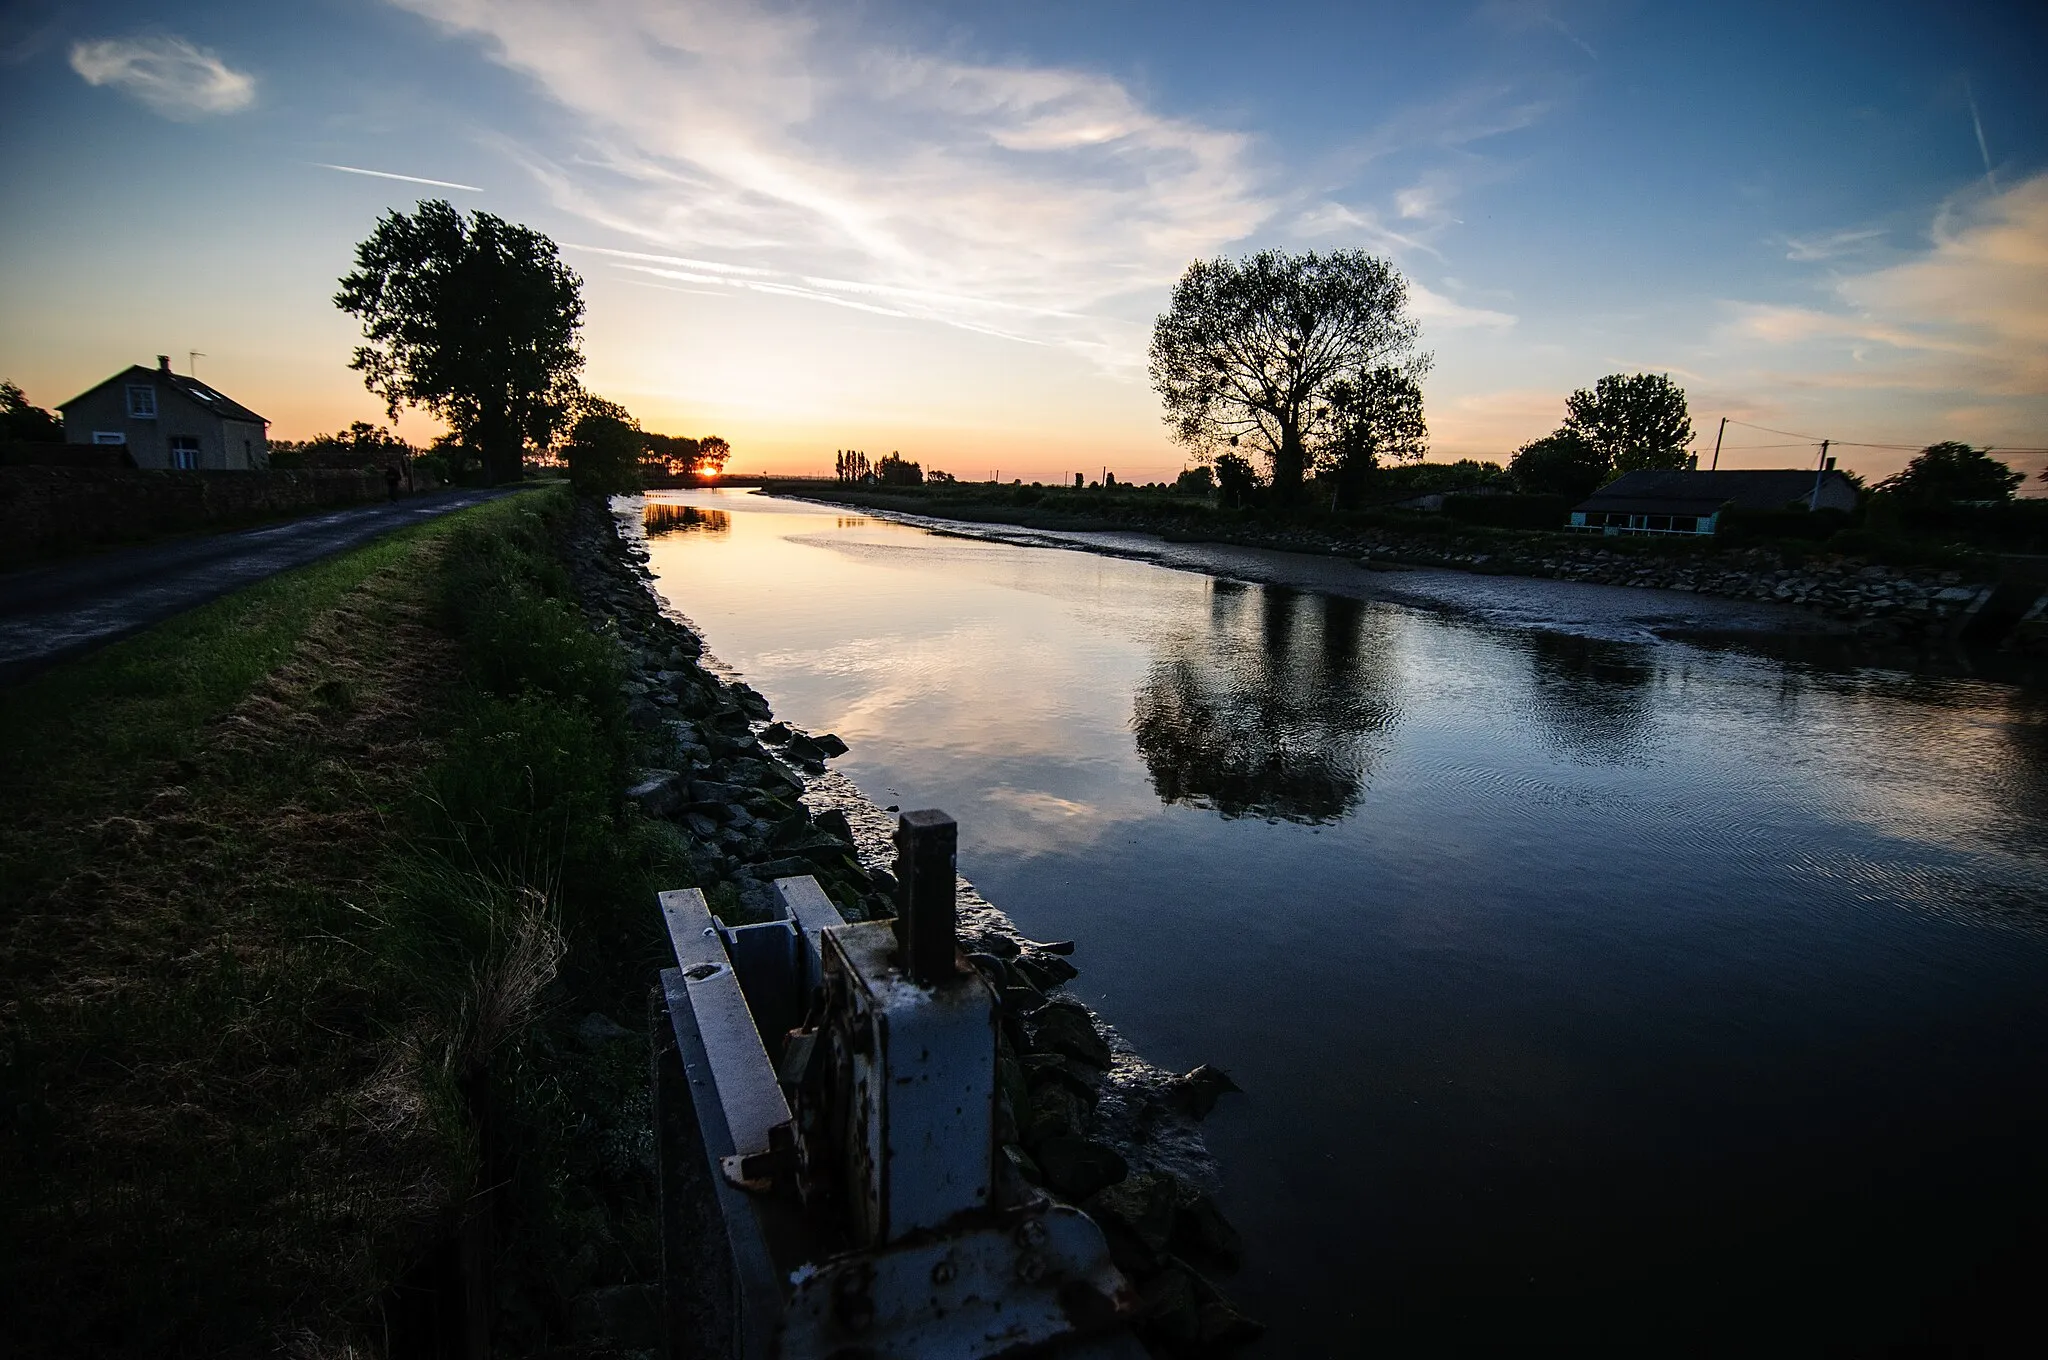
[(168, 420), (1686, 502)]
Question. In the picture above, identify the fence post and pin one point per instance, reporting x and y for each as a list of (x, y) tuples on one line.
[(927, 843)]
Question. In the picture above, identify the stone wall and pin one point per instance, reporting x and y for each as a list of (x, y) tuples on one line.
[(48, 511)]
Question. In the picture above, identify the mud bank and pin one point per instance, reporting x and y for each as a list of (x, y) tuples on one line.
[(1882, 607)]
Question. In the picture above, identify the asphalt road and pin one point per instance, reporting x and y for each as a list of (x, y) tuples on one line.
[(51, 613)]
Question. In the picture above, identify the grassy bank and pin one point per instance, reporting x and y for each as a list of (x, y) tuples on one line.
[(320, 907)]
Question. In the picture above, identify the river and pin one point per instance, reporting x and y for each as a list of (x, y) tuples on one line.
[(1586, 986)]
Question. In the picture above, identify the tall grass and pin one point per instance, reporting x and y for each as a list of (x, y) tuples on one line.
[(297, 887)]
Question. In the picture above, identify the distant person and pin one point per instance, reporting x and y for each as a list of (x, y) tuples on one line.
[(391, 478)]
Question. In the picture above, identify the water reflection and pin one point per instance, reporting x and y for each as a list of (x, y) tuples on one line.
[(1591, 699), (666, 517), (1279, 709)]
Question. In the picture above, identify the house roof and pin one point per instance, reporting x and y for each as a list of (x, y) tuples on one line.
[(1701, 493), (222, 405)]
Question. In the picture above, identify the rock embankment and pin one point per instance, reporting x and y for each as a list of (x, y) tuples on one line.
[(1886, 606), (1078, 1113), (1879, 604)]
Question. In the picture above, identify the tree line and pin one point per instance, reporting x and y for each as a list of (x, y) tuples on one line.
[(1309, 363), (854, 468)]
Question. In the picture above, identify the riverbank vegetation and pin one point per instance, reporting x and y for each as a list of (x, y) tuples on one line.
[(322, 901)]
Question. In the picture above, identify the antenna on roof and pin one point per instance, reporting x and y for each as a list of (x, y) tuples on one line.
[(192, 358)]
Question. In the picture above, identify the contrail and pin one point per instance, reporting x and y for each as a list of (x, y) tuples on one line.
[(409, 179), (1983, 148)]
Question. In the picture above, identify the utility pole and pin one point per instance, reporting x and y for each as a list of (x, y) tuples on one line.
[(1813, 501), (1717, 444), (192, 358)]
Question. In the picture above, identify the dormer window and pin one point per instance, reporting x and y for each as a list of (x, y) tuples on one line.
[(141, 402)]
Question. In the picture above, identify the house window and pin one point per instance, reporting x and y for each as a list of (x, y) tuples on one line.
[(142, 402), (184, 451), (109, 437)]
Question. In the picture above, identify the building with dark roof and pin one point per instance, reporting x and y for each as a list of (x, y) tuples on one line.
[(1686, 502), (168, 420)]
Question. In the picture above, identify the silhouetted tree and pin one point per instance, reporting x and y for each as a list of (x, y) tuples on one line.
[(897, 471), (1563, 463), (30, 424), (475, 319), (1235, 480), (1376, 415), (1246, 354), (1636, 421), (1952, 471), (1195, 481), (604, 448), (361, 445)]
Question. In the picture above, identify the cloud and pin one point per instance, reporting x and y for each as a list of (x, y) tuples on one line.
[(1443, 311), (1970, 314), (1032, 201), (1831, 246), (166, 73)]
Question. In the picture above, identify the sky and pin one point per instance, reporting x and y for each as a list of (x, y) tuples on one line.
[(945, 230)]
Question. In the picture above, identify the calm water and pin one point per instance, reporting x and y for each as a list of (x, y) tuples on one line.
[(1621, 992)]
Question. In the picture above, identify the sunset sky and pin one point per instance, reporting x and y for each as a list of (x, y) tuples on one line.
[(945, 230)]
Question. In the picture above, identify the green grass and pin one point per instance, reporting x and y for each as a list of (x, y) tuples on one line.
[(298, 887)]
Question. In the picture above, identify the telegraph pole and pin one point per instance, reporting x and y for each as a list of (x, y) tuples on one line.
[(1813, 501), (1717, 444)]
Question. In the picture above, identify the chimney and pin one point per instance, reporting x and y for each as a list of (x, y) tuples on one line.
[(163, 363)]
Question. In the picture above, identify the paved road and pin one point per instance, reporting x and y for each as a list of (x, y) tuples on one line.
[(54, 612)]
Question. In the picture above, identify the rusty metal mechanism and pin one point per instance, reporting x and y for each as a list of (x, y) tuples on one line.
[(842, 1078)]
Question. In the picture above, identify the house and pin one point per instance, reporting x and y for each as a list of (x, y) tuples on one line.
[(168, 420), (1687, 502)]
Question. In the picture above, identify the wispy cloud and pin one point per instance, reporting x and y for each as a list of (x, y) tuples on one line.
[(168, 74), (1030, 201), (1960, 328), (1833, 245), (1436, 309), (408, 179)]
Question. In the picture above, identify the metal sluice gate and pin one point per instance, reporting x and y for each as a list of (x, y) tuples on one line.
[(837, 1081)]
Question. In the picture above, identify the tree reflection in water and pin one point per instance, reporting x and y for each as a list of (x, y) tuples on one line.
[(1591, 698), (1279, 711), (661, 518)]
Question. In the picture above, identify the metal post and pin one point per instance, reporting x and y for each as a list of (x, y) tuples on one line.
[(1717, 444), (927, 843)]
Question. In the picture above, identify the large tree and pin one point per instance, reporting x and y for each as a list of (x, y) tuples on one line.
[(1376, 415), (1245, 356), (1634, 420), (1562, 463), (1952, 471), (475, 319)]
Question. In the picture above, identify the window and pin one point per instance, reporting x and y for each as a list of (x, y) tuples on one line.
[(109, 437), (184, 451), (142, 402)]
